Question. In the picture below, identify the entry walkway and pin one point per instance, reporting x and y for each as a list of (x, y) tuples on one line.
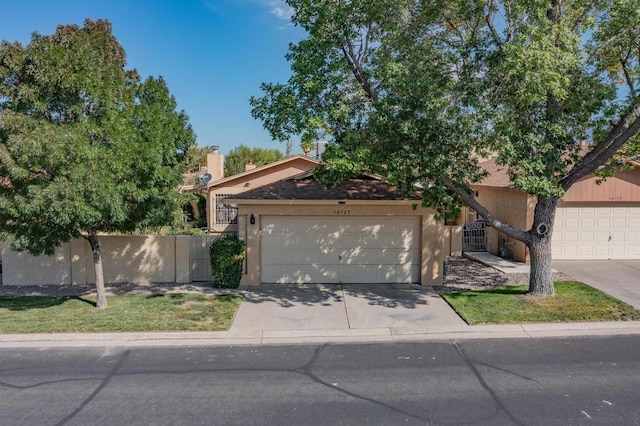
[(503, 265)]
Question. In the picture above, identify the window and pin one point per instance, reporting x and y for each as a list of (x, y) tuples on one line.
[(225, 215)]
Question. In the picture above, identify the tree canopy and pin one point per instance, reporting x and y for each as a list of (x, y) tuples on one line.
[(238, 157), (419, 90), (85, 145)]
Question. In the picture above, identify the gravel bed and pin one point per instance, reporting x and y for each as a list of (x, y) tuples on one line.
[(462, 274)]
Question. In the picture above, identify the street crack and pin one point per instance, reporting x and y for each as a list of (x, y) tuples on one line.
[(496, 400), (95, 393)]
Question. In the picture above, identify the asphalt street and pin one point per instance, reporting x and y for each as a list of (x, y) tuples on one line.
[(551, 381)]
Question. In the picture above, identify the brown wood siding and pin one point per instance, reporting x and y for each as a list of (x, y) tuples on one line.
[(624, 187)]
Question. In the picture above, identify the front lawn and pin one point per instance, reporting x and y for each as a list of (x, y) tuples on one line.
[(156, 312), (573, 301)]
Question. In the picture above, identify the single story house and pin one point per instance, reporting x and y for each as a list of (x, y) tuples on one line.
[(359, 231), (593, 221), (220, 217)]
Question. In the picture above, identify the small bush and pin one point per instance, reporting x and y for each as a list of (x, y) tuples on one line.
[(227, 256)]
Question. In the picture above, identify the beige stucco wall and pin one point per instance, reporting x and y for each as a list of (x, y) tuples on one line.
[(510, 206), (23, 269), (136, 259), (432, 232), (255, 179), (452, 240)]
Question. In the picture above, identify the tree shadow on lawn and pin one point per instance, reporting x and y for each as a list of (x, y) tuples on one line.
[(25, 303)]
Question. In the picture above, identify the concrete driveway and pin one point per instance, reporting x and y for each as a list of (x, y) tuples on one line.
[(344, 306), (619, 278)]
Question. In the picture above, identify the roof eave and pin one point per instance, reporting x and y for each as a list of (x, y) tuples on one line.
[(343, 202)]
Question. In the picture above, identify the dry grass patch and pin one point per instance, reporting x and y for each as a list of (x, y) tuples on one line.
[(127, 313)]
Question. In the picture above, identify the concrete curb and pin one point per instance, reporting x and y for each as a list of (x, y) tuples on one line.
[(319, 336)]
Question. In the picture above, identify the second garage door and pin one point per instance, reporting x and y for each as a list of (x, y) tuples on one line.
[(597, 232), (339, 249)]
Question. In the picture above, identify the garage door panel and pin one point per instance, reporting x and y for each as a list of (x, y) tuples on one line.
[(326, 275), (618, 250), (370, 274), (619, 223), (586, 250), (604, 232), (398, 241), (292, 256), (274, 240), (273, 274), (572, 223), (586, 237), (327, 249), (571, 236), (272, 256)]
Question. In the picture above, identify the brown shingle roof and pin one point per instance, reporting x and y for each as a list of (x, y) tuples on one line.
[(305, 187)]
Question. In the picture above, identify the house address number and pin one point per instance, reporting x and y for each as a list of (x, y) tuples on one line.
[(341, 212), (615, 198)]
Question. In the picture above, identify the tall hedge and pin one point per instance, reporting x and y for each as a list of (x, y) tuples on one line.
[(227, 255)]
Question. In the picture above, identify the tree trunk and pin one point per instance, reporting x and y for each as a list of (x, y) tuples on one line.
[(541, 278), (101, 302)]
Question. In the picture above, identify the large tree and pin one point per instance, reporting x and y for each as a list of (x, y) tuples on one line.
[(236, 160), (85, 146), (420, 90)]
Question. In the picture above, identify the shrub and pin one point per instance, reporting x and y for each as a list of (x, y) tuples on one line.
[(227, 255)]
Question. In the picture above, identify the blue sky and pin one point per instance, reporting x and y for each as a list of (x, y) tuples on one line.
[(213, 53)]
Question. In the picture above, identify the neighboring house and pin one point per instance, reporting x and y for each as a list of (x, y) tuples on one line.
[(359, 231), (593, 221), (221, 218)]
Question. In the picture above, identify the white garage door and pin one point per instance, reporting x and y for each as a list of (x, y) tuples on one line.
[(338, 249), (596, 232)]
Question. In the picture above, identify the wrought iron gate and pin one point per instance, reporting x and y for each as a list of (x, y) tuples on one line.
[(474, 237)]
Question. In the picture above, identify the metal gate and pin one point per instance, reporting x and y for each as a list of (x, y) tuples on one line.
[(474, 237), (199, 257)]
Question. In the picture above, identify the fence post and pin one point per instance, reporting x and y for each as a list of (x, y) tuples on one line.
[(183, 258)]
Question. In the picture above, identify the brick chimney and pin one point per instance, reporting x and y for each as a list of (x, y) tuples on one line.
[(249, 166), (215, 164)]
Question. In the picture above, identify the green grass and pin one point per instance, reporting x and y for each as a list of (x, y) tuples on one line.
[(573, 302), (157, 312)]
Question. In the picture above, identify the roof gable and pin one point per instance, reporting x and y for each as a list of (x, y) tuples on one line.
[(306, 187), (305, 162)]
